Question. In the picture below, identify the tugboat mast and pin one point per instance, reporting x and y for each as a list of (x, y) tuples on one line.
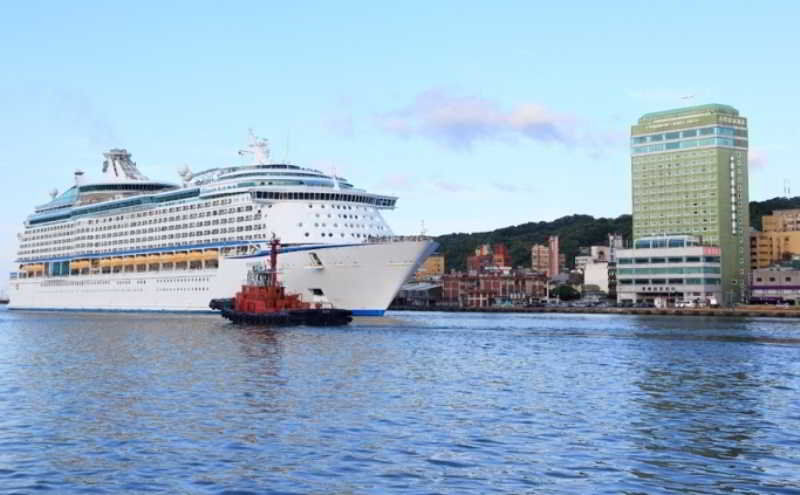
[(272, 278)]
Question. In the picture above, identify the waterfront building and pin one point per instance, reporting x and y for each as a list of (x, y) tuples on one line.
[(423, 294), (591, 254), (540, 258), (596, 274), (781, 221), (489, 257), (768, 248), (779, 239), (431, 269), (555, 256), (615, 242), (581, 261), (689, 175), (486, 289), (542, 261), (777, 284), (669, 270)]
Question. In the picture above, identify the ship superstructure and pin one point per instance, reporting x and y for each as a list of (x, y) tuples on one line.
[(125, 242)]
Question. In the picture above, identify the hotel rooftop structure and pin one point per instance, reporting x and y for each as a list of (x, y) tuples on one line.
[(689, 174)]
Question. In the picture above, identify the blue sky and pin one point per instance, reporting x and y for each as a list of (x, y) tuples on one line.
[(478, 114)]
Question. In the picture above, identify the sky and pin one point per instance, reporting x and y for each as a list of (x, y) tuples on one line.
[(477, 115)]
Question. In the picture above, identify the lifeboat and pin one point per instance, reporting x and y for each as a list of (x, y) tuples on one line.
[(195, 256), (264, 301), (179, 257), (79, 265)]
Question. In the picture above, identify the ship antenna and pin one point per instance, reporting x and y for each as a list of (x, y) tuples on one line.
[(288, 142), (335, 179)]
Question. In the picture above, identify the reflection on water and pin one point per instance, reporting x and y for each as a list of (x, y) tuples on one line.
[(416, 403)]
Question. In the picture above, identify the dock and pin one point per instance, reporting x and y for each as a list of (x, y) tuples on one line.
[(739, 312)]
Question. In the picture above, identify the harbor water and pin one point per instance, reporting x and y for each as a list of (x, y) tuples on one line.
[(420, 403)]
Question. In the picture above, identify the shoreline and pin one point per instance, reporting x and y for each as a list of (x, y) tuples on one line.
[(726, 312)]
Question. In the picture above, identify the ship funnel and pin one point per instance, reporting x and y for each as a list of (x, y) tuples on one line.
[(119, 166), (79, 179)]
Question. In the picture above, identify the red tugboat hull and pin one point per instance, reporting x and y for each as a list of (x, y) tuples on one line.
[(324, 317)]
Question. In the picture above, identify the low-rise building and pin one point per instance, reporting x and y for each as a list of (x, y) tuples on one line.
[(591, 254), (431, 269), (419, 294), (666, 270), (540, 258), (781, 221), (768, 248), (541, 261), (776, 284), (480, 290), (596, 274), (778, 241), (495, 257)]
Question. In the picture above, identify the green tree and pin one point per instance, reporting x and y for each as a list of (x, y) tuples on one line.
[(565, 293)]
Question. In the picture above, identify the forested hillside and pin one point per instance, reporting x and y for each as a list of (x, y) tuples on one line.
[(574, 231)]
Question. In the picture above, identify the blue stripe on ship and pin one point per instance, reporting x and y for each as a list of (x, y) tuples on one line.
[(368, 312), (118, 310)]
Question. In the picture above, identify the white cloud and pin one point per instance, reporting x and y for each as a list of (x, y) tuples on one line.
[(461, 121)]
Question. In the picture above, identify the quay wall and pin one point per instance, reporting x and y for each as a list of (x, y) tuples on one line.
[(743, 312)]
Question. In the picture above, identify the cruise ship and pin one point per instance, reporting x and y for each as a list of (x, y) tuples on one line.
[(124, 242)]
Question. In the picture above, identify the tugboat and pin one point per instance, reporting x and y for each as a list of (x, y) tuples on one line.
[(263, 301)]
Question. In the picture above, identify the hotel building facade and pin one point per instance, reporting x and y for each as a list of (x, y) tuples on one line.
[(690, 176)]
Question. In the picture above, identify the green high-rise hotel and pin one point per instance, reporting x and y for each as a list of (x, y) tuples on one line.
[(689, 172)]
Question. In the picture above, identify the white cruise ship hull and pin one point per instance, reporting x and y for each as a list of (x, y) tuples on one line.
[(363, 278)]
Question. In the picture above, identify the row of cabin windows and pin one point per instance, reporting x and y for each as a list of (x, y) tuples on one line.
[(670, 259), (308, 196)]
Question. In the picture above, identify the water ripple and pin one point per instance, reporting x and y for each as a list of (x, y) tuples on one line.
[(413, 403)]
